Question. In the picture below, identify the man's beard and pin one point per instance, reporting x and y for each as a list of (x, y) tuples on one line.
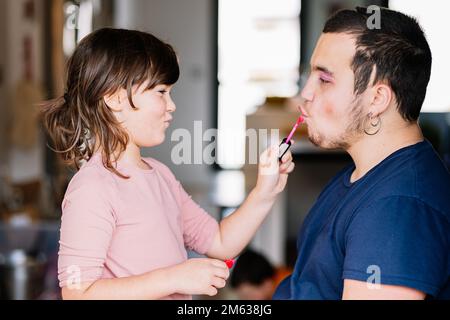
[(350, 135)]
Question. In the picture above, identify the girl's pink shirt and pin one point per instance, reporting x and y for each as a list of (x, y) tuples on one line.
[(112, 227)]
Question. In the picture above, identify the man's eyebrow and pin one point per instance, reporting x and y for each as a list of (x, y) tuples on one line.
[(322, 69)]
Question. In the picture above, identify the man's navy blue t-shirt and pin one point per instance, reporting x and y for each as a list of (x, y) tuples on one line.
[(392, 225)]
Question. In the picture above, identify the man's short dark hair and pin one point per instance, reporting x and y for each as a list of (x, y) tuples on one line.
[(398, 50), (252, 268)]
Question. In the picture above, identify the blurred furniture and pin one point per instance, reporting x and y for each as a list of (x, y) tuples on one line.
[(21, 201), (22, 276), (28, 261)]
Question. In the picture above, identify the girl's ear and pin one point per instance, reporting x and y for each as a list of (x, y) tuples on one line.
[(114, 101)]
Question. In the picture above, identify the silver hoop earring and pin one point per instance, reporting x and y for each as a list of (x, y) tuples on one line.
[(374, 127)]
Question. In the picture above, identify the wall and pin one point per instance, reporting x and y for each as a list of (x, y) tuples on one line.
[(22, 165), (3, 118), (316, 13)]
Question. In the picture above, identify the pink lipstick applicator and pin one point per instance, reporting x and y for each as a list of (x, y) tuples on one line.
[(286, 143), (284, 147)]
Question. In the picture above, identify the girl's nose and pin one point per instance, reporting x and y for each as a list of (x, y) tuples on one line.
[(171, 107)]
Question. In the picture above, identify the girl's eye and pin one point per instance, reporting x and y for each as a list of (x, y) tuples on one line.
[(162, 91)]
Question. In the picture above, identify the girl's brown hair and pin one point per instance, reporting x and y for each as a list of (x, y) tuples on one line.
[(104, 62)]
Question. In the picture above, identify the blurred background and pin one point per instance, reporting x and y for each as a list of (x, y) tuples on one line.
[(242, 65)]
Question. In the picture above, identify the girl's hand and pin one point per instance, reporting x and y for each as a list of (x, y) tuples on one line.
[(199, 276), (273, 175)]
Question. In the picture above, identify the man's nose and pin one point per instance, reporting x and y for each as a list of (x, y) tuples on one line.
[(301, 105), (307, 93), (302, 102)]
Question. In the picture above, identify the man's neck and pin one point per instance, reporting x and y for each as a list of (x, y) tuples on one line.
[(369, 151)]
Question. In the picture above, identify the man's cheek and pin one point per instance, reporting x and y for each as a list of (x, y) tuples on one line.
[(329, 110)]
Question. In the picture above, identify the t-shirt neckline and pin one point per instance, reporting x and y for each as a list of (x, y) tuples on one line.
[(349, 172), (128, 166)]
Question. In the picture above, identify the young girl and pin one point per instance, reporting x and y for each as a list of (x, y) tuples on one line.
[(126, 220)]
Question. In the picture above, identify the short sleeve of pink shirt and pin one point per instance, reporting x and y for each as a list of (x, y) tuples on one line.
[(113, 227)]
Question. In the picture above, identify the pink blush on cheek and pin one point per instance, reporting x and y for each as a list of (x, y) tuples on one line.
[(328, 110)]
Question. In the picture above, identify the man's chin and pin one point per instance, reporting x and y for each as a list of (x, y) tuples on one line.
[(323, 143), (317, 141), (314, 141)]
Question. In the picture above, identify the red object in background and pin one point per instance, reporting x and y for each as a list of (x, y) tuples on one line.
[(229, 263), (28, 58), (29, 10)]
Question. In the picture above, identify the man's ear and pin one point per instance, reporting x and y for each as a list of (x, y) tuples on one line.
[(381, 98)]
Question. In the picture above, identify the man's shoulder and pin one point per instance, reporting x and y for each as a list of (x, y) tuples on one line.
[(416, 175), (427, 179)]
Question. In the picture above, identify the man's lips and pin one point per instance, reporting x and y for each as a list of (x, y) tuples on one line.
[(304, 113)]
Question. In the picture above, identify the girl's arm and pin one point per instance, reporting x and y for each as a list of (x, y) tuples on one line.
[(194, 276), (237, 230)]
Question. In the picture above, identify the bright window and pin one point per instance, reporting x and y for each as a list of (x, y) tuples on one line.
[(259, 56), (433, 18)]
